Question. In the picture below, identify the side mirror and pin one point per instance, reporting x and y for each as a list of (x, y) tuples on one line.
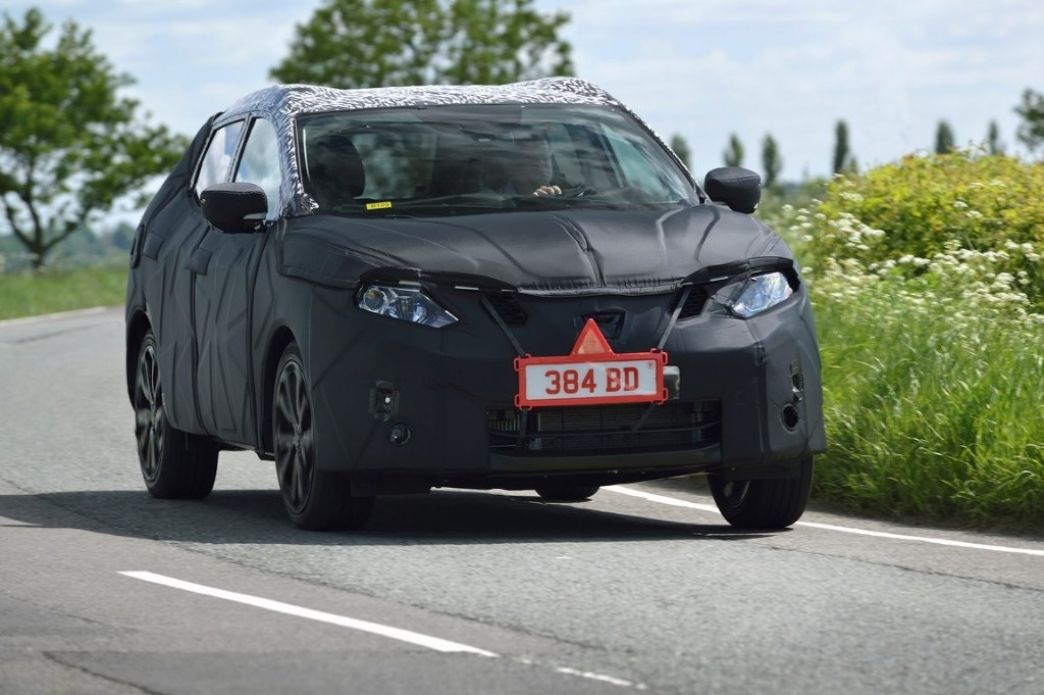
[(234, 208), (737, 187)]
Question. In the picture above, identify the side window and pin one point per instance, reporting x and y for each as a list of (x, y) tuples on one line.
[(218, 157), (260, 163)]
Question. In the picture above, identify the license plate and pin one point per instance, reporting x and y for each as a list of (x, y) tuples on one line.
[(591, 374), (565, 383)]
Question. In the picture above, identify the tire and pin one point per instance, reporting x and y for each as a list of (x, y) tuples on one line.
[(314, 500), (174, 464), (764, 504), (566, 492)]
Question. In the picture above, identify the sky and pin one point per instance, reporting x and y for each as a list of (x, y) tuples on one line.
[(701, 68)]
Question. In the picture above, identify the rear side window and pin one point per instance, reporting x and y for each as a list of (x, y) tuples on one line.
[(218, 158), (259, 163)]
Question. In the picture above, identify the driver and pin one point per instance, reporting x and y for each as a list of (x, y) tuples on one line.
[(525, 169)]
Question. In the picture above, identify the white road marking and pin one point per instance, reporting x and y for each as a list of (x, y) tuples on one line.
[(675, 502), (602, 678), (7, 521), (40, 318), (395, 633), (661, 499)]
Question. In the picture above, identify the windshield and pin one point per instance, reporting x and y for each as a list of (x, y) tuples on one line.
[(449, 160)]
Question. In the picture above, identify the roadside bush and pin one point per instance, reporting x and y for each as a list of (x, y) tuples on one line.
[(986, 207), (926, 279)]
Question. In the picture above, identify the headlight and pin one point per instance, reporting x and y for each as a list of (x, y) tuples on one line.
[(759, 293), (406, 303)]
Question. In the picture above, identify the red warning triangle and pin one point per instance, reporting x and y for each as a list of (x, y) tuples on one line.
[(591, 341)]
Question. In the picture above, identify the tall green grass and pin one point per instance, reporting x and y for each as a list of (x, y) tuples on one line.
[(29, 293), (931, 416)]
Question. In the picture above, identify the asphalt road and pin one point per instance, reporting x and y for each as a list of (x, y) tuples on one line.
[(642, 588)]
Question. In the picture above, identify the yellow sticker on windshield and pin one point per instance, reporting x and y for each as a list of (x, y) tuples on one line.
[(379, 206)]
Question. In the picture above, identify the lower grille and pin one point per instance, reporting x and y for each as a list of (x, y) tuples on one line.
[(585, 430)]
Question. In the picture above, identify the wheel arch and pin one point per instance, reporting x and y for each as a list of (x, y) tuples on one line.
[(137, 326), (281, 338)]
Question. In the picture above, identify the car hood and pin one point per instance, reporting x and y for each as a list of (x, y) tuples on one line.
[(573, 252)]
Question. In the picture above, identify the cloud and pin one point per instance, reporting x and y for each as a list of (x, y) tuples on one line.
[(892, 68)]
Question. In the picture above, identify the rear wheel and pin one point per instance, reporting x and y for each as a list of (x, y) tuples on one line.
[(769, 503), (566, 492), (314, 500), (174, 464)]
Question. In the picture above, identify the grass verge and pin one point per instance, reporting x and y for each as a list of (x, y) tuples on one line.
[(928, 414), (44, 292)]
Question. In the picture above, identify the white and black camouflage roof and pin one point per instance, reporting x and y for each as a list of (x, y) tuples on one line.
[(280, 104)]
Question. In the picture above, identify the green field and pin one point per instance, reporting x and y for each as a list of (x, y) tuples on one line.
[(28, 294)]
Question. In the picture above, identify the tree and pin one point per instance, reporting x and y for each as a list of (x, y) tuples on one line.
[(944, 139), (70, 146), (771, 162), (1031, 110), (843, 159), (681, 148), (733, 154), (377, 43), (993, 143)]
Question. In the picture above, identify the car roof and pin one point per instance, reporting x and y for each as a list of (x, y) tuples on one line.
[(293, 99)]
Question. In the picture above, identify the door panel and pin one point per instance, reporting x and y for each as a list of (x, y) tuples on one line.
[(222, 305), (224, 267)]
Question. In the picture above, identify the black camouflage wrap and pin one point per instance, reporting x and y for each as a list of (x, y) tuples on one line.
[(224, 306)]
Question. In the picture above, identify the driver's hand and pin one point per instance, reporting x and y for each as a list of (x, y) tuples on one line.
[(545, 191)]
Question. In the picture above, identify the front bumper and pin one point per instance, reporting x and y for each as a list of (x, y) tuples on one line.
[(749, 404)]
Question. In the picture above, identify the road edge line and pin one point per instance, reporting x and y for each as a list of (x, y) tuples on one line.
[(40, 318), (675, 502)]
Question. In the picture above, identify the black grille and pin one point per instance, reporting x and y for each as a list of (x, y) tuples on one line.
[(508, 308), (693, 303), (672, 426)]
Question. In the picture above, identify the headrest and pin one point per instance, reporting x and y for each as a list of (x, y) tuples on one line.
[(335, 170)]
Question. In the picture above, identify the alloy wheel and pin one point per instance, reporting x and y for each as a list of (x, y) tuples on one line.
[(150, 420), (293, 436)]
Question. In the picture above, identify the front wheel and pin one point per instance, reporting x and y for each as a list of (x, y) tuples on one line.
[(314, 500), (174, 464), (772, 503)]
